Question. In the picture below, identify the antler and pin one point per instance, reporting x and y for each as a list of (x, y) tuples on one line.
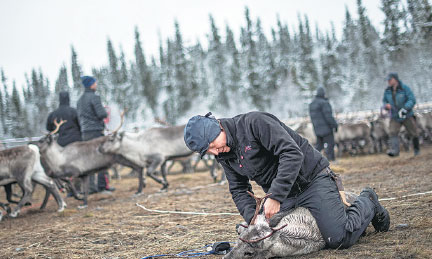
[(259, 203), (57, 124), (121, 123), (264, 237)]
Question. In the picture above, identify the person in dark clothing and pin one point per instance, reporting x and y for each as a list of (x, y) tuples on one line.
[(323, 122), (258, 147), (70, 131), (91, 114), (399, 100)]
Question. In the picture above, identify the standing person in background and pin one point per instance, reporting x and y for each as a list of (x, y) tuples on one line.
[(323, 122), (91, 116), (70, 131), (400, 100)]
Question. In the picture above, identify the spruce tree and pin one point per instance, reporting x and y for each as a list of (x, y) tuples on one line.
[(6, 109), (75, 70), (217, 62), (254, 84), (235, 74), (284, 50), (309, 73), (62, 82), (113, 64), (392, 37), (20, 127), (149, 90)]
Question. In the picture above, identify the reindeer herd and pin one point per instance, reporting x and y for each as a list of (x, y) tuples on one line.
[(368, 135), (47, 163)]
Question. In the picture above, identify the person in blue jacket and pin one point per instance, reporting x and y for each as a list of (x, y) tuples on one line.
[(399, 100)]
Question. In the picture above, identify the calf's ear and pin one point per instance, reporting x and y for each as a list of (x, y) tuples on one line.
[(274, 221)]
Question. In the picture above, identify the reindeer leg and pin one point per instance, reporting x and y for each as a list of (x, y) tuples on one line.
[(141, 180), (72, 189), (85, 185), (136, 170), (164, 174), (151, 169), (50, 186), (8, 190), (27, 187), (45, 200)]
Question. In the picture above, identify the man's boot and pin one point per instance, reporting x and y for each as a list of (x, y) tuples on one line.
[(394, 146), (416, 144), (381, 220)]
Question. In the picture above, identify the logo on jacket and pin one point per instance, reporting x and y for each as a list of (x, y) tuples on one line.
[(247, 148)]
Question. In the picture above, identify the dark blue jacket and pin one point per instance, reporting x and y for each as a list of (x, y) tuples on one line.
[(404, 99), (91, 113), (321, 115), (70, 131), (265, 150)]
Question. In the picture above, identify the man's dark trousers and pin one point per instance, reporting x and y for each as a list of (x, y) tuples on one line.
[(102, 182), (329, 139), (340, 228)]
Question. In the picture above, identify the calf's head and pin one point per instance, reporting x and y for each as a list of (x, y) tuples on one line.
[(112, 144)]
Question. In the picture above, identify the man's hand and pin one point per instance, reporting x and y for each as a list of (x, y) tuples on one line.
[(388, 106), (271, 207)]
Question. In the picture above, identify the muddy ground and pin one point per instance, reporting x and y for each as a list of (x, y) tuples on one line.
[(114, 227)]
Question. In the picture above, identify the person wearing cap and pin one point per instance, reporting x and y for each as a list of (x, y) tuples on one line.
[(91, 114), (258, 147), (399, 100), (323, 122)]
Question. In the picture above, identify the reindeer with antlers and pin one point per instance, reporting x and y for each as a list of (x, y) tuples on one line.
[(80, 159), (288, 233)]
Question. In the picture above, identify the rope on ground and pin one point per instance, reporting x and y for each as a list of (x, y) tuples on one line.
[(406, 196), (237, 214), (187, 212)]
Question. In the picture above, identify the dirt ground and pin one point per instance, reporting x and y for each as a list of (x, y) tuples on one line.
[(113, 226)]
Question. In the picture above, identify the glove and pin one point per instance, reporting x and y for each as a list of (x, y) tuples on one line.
[(387, 106), (402, 113)]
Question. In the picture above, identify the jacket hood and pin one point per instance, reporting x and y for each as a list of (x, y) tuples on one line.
[(64, 98), (320, 92)]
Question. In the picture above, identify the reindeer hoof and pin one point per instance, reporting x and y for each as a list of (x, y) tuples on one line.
[(137, 194), (61, 208), (222, 182), (164, 187), (14, 214), (81, 207)]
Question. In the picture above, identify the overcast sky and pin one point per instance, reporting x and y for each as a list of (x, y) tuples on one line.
[(39, 33)]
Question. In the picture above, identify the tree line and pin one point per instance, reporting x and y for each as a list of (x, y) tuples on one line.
[(278, 73)]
